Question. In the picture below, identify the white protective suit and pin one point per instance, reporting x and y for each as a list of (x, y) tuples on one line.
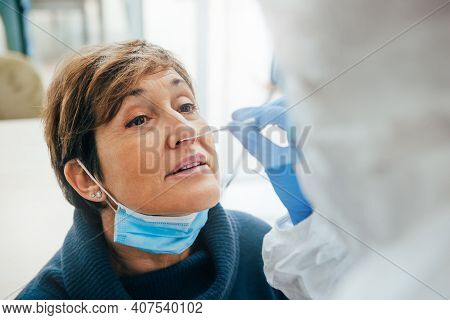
[(378, 150)]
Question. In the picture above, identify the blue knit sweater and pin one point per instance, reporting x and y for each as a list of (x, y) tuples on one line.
[(226, 264)]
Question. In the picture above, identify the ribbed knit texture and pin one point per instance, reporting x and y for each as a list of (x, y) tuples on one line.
[(226, 264)]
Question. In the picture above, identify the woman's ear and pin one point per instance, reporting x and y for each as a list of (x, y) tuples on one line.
[(82, 183)]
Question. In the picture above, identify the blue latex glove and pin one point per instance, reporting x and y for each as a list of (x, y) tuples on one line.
[(279, 162)]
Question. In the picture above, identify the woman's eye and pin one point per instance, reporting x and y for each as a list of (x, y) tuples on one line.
[(187, 108), (139, 120)]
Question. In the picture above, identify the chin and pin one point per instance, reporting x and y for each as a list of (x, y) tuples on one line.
[(199, 197), (204, 199), (191, 195)]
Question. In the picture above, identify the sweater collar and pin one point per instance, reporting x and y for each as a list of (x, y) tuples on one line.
[(88, 272)]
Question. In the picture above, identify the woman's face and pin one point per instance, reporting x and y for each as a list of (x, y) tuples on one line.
[(140, 152)]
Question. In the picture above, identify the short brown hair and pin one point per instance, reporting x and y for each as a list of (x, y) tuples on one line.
[(87, 91)]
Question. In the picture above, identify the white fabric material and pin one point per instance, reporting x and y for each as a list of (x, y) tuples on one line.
[(379, 146), (312, 266)]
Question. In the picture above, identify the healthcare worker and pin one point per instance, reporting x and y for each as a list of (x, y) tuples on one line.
[(372, 80)]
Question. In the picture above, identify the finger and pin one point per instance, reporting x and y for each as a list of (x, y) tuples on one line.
[(246, 113), (268, 154), (272, 115), (263, 116)]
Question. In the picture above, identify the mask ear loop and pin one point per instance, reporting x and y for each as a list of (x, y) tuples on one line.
[(99, 185)]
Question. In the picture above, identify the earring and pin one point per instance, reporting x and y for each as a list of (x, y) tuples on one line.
[(98, 194)]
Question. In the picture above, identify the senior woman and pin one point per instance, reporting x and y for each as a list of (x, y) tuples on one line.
[(147, 223)]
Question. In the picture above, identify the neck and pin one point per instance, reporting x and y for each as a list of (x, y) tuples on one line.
[(128, 260)]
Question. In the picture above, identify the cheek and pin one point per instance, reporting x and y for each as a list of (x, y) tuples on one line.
[(119, 157), (130, 167), (148, 154)]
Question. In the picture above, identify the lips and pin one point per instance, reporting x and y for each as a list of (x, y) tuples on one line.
[(188, 163)]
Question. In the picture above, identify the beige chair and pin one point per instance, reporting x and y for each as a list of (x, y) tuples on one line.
[(21, 89)]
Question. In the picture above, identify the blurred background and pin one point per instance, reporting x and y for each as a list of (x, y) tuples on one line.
[(224, 44)]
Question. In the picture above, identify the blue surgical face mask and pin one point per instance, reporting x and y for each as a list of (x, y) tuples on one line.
[(155, 234)]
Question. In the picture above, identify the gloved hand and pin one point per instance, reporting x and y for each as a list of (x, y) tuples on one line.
[(279, 162)]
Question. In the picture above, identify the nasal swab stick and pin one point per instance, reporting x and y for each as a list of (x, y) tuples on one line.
[(247, 122)]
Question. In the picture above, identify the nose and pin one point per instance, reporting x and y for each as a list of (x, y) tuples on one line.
[(180, 132)]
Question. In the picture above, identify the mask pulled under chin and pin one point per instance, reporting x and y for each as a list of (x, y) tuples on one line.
[(157, 234)]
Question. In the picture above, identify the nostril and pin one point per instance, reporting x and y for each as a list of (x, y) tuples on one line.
[(186, 139), (184, 133)]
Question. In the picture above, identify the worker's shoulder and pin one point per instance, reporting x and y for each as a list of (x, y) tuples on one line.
[(249, 226), (48, 284)]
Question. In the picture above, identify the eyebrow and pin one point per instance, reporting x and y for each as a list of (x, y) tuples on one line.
[(177, 81), (138, 91), (135, 92)]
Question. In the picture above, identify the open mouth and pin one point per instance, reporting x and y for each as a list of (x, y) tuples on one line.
[(188, 167), (189, 164)]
